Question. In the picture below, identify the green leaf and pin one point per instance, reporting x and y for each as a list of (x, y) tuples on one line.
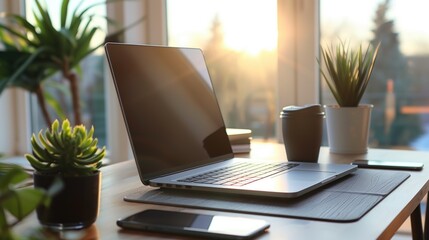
[(55, 105), (93, 159), (13, 175), (64, 11), (36, 164), (23, 201), (55, 143), (16, 33), (39, 152), (87, 153), (46, 144)]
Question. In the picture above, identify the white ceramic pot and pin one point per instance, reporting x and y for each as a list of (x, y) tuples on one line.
[(348, 128)]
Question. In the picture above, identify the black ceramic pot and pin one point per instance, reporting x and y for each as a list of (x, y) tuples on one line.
[(77, 204)]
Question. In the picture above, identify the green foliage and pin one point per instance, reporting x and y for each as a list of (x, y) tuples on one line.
[(20, 69), (70, 151), (64, 47), (15, 200), (40, 49), (348, 72)]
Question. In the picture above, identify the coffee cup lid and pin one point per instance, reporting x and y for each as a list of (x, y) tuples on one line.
[(306, 109)]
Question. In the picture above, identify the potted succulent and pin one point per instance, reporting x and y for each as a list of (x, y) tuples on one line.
[(70, 154), (347, 75)]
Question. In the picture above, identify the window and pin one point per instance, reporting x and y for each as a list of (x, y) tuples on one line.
[(239, 40), (289, 71), (400, 81), (101, 107), (24, 118)]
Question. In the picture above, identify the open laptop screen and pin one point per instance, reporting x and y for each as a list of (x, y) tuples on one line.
[(169, 106)]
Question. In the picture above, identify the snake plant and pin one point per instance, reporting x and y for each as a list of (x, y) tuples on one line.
[(348, 72), (66, 150)]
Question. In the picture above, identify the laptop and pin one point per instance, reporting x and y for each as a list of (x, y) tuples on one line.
[(177, 133)]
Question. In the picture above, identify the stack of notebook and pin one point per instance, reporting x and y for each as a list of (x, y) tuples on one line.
[(239, 139)]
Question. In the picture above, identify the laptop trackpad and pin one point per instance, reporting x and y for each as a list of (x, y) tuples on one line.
[(293, 181), (306, 176)]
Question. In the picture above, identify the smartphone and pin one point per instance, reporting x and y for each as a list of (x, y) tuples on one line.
[(388, 165), (201, 225)]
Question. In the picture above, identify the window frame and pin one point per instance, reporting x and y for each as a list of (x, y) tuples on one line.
[(298, 77), (298, 50), (14, 103)]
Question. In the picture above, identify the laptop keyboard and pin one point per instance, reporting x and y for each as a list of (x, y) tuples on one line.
[(239, 174)]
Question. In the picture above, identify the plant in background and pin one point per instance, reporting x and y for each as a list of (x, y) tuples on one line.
[(348, 72), (66, 151), (40, 50), (60, 49), (20, 69)]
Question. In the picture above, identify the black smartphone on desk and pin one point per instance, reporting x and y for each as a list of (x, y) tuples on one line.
[(388, 165), (201, 225)]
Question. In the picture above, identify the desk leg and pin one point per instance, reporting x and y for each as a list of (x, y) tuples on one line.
[(426, 229), (416, 224)]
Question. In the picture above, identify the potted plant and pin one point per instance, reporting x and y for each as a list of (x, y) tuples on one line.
[(347, 75), (70, 154)]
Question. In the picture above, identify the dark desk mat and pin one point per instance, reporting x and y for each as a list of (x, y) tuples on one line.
[(345, 200)]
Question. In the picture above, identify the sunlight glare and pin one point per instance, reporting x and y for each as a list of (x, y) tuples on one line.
[(252, 30), (248, 25)]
